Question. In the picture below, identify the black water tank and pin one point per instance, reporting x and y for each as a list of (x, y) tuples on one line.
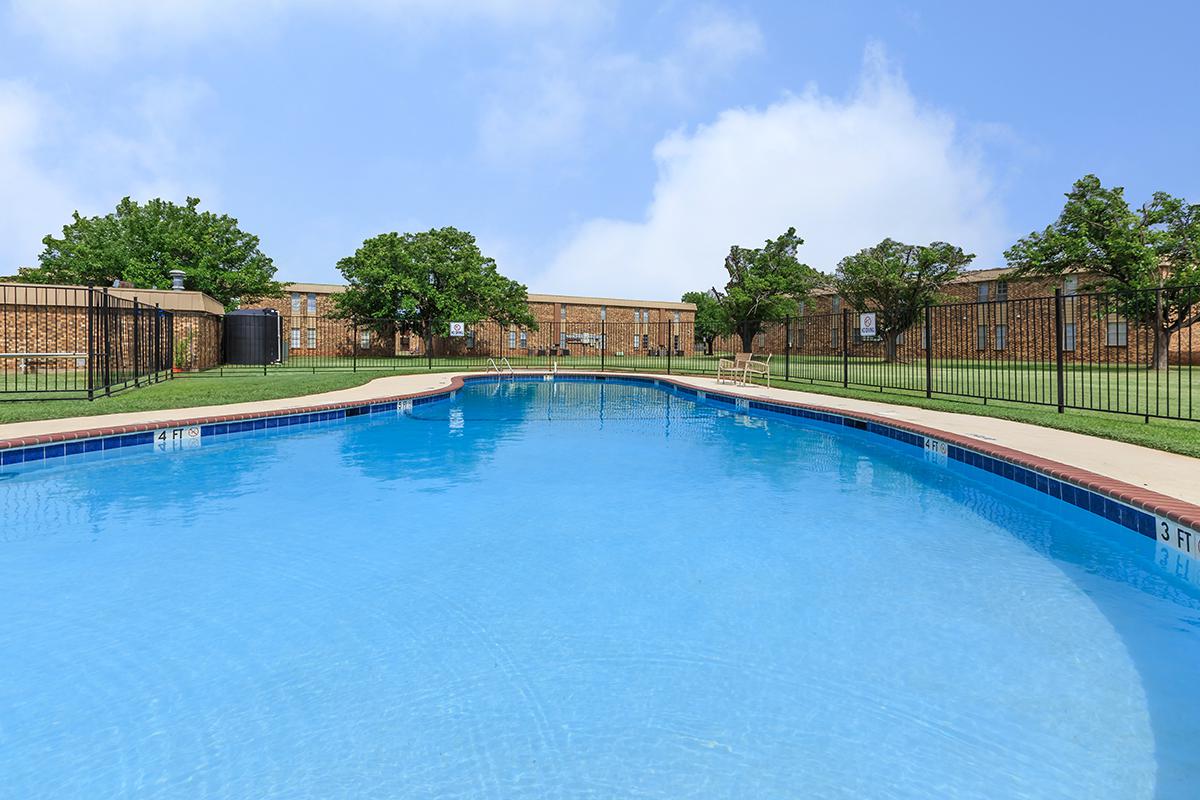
[(252, 336)]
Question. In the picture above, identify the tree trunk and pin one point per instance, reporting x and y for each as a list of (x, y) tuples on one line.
[(708, 345), (890, 345), (747, 334), (1162, 348)]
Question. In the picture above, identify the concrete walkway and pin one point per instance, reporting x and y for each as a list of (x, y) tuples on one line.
[(1168, 473)]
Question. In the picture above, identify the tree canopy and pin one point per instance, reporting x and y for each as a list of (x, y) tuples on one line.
[(766, 284), (897, 281), (1118, 249), (141, 244), (421, 282), (711, 319)]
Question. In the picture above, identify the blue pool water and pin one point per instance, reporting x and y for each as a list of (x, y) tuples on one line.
[(557, 589)]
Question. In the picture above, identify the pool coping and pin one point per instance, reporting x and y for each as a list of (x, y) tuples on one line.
[(982, 454)]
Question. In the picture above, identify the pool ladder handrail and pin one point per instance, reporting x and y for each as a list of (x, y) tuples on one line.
[(492, 365)]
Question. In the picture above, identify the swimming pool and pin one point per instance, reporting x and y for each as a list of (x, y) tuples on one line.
[(579, 589)]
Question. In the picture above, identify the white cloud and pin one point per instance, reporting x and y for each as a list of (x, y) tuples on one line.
[(845, 172), (112, 29), (554, 99), (53, 163), (29, 197)]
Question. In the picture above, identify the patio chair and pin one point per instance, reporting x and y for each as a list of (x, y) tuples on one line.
[(762, 368), (735, 367)]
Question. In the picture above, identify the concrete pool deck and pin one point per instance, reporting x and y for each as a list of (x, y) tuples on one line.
[(1170, 474)]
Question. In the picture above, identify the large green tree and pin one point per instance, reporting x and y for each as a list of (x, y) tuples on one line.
[(1149, 257), (897, 281), (711, 319), (766, 284), (142, 243), (421, 282)]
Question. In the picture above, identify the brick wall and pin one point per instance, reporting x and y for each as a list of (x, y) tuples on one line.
[(54, 320), (564, 328)]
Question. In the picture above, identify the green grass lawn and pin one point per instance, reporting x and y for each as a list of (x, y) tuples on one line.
[(187, 391), (1174, 436), (241, 385), (1173, 393)]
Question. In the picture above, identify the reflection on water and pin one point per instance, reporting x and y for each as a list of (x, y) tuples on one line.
[(580, 589)]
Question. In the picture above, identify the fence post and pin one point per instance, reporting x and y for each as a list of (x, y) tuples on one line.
[(354, 348), (157, 343), (107, 333), (845, 347), (603, 341), (787, 349), (670, 344), (928, 350), (91, 342), (171, 347), (137, 350), (429, 350), (1058, 345)]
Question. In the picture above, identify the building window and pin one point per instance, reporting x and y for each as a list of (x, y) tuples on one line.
[(1002, 291), (900, 338), (981, 337), (1070, 286), (837, 304), (603, 313), (312, 303), (1068, 336), (524, 339), (312, 338), (645, 316), (982, 292), (562, 312), (512, 339), (835, 337), (470, 339), (562, 340), (296, 302), (295, 341), (760, 339), (1118, 334), (1001, 337), (405, 343), (636, 341), (364, 339), (677, 316), (676, 345)]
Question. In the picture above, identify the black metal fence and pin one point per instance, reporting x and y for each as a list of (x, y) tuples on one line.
[(1095, 352), (59, 342)]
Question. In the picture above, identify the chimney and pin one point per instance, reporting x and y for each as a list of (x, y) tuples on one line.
[(177, 280)]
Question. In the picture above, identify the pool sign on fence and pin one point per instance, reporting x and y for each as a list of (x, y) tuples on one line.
[(866, 324), (458, 329)]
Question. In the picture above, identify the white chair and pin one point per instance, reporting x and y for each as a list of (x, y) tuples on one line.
[(735, 367), (758, 368)]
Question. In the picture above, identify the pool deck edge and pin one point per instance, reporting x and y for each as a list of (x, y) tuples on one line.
[(1162, 488)]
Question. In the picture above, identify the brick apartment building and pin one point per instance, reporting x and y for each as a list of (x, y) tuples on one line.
[(567, 326), (989, 314)]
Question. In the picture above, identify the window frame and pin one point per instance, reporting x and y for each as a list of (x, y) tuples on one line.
[(1121, 328)]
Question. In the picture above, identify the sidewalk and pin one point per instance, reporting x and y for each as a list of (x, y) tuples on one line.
[(1170, 474)]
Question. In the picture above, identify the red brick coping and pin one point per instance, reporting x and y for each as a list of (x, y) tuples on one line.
[(1152, 502)]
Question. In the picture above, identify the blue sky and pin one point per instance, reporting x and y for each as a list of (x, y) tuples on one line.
[(594, 147)]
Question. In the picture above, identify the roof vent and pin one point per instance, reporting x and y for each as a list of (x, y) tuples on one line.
[(177, 280)]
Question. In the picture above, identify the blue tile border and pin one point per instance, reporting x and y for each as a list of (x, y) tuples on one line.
[(1135, 519), (1101, 505)]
